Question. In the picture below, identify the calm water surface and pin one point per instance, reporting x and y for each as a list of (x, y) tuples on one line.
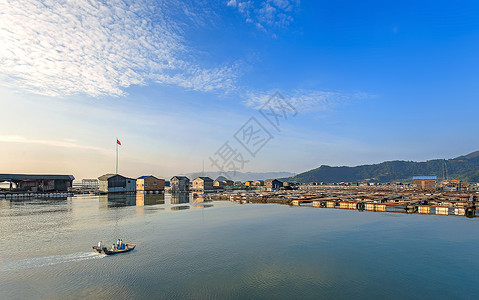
[(187, 249)]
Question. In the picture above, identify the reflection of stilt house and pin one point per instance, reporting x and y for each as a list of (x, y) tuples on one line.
[(180, 184), (180, 198), (111, 183), (143, 199)]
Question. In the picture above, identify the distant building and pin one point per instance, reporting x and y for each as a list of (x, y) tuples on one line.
[(38, 183), (150, 183), (473, 187), (111, 183), (202, 184), (89, 183), (273, 184), (258, 183), (179, 184), (222, 182), (249, 183), (453, 185), (425, 182), (229, 182), (218, 184)]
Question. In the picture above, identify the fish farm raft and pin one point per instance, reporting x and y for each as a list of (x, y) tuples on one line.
[(363, 199)]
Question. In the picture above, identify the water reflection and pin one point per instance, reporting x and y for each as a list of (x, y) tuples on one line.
[(117, 200), (149, 199), (181, 207), (143, 199), (179, 198), (31, 206), (201, 206)]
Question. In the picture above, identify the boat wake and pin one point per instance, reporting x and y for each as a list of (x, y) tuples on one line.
[(42, 261)]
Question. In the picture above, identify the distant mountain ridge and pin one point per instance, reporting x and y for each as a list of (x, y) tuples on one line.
[(464, 167), (240, 176)]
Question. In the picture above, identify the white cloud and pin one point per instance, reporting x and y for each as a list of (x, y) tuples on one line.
[(54, 143), (266, 13), (64, 47), (305, 100)]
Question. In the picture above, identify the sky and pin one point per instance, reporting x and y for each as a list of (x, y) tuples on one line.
[(251, 86)]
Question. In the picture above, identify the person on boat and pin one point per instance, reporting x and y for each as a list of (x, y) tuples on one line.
[(113, 247), (122, 246), (100, 245)]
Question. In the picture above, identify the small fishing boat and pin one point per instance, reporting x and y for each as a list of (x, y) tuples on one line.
[(111, 251)]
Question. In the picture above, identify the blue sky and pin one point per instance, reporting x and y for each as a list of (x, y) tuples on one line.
[(175, 80)]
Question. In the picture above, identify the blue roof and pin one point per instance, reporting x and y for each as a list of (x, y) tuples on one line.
[(424, 178), (143, 177)]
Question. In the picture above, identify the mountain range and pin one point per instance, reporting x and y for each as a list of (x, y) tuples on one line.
[(242, 176), (464, 167)]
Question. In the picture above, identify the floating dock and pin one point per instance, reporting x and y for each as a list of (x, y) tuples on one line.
[(365, 199)]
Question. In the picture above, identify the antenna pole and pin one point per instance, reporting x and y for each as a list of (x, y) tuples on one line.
[(445, 164), (444, 169)]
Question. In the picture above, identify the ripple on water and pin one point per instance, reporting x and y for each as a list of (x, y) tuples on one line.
[(43, 261)]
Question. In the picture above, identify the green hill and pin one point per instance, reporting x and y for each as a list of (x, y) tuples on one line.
[(463, 168)]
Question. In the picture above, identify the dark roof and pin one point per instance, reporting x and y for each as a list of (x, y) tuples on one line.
[(181, 177), (146, 176), (222, 178), (271, 180), (19, 177), (106, 176), (204, 178)]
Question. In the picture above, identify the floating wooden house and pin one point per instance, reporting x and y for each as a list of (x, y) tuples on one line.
[(149, 183), (258, 183), (202, 183), (222, 182), (273, 184), (179, 184), (38, 183), (115, 183), (425, 182)]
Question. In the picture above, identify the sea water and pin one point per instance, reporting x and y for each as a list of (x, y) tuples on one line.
[(191, 249)]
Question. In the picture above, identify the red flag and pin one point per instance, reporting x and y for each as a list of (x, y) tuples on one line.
[(118, 142)]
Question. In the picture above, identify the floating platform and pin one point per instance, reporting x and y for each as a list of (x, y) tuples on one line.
[(432, 203)]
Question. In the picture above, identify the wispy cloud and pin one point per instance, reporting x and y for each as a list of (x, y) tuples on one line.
[(66, 47), (305, 100), (67, 143), (266, 14)]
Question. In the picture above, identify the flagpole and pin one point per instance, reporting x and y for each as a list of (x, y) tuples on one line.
[(116, 143)]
